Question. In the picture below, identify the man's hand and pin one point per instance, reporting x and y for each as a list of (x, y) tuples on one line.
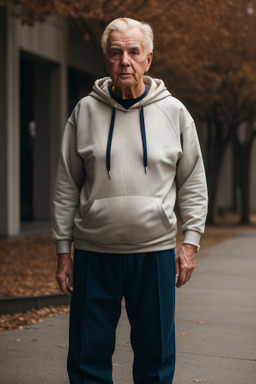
[(64, 273), (185, 263)]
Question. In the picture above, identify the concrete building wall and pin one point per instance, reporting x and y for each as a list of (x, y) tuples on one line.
[(3, 124), (12, 131), (52, 47), (83, 55)]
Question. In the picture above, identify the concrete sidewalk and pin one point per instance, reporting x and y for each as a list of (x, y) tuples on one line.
[(215, 327)]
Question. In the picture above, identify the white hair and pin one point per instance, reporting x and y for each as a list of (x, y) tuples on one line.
[(122, 24)]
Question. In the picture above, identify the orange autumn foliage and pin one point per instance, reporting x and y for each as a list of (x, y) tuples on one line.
[(205, 52), (204, 49)]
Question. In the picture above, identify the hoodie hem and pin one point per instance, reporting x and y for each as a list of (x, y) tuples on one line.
[(123, 248)]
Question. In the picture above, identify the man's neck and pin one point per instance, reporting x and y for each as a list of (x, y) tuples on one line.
[(128, 93)]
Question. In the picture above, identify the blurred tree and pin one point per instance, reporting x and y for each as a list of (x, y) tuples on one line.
[(204, 49), (211, 65)]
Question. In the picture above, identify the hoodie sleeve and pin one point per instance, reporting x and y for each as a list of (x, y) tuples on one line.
[(69, 181), (191, 187)]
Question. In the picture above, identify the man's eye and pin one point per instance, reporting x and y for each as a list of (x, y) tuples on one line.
[(115, 53), (134, 53)]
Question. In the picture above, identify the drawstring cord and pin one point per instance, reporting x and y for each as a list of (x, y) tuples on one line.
[(143, 136), (110, 136)]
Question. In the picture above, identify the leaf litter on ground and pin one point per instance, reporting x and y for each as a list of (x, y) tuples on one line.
[(28, 265)]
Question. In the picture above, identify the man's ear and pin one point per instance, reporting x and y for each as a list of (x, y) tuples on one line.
[(149, 60)]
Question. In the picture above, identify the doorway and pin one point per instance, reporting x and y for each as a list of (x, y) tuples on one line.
[(39, 122), (27, 116)]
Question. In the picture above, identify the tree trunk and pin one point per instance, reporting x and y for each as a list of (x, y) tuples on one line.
[(216, 148), (244, 154), (244, 165)]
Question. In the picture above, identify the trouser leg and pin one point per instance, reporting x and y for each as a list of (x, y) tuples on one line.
[(94, 314), (150, 305)]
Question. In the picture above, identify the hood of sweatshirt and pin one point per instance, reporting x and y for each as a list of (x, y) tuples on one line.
[(157, 92)]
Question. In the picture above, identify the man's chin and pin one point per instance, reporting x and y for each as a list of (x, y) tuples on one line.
[(127, 76), (122, 84)]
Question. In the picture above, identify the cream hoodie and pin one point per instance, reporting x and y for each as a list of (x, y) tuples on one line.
[(133, 211)]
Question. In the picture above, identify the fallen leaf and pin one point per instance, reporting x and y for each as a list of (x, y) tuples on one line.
[(28, 275), (184, 333), (18, 340), (200, 322), (115, 365), (199, 381), (33, 316), (62, 346)]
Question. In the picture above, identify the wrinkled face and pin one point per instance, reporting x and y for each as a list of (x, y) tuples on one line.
[(126, 59)]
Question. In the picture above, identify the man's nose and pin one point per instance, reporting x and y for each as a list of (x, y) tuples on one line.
[(125, 59)]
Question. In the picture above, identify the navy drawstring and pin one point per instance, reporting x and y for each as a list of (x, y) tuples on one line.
[(143, 136), (110, 135), (181, 141)]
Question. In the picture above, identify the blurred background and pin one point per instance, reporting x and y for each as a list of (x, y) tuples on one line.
[(50, 55)]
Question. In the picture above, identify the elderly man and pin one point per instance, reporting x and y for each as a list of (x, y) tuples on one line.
[(127, 148)]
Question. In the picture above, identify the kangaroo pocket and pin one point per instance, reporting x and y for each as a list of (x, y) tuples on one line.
[(124, 220)]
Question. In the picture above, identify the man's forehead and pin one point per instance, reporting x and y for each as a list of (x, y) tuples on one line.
[(133, 37)]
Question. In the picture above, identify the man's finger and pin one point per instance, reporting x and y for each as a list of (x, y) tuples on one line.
[(64, 287), (184, 275), (177, 266), (63, 284), (65, 273), (181, 279), (70, 283)]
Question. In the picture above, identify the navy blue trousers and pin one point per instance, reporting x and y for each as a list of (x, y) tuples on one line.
[(147, 282)]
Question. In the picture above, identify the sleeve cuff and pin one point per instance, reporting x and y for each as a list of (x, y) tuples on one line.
[(192, 237), (63, 246)]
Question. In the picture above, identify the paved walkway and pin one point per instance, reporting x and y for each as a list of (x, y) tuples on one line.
[(215, 324)]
